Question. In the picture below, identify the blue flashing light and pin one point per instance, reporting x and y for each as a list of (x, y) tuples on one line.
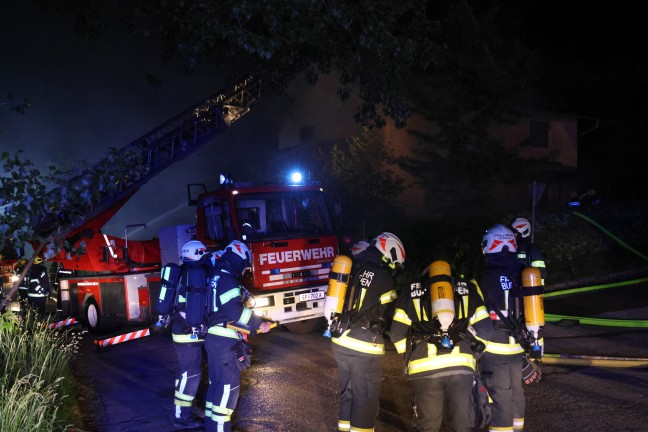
[(225, 179), (296, 177)]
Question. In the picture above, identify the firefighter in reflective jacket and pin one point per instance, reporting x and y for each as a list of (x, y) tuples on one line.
[(529, 253), (501, 363), (441, 369), (223, 344), (189, 348), (358, 344), (39, 286)]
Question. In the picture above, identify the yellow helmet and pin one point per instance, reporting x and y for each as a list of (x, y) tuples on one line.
[(38, 260)]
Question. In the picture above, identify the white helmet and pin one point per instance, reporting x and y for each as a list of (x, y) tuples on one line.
[(523, 226), (193, 251), (497, 238), (359, 247), (391, 247), (240, 249)]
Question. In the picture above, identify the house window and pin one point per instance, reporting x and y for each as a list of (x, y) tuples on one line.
[(539, 134)]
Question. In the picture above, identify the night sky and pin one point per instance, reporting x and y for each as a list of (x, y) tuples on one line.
[(89, 95)]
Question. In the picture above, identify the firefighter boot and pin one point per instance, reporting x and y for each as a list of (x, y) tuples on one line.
[(187, 424), (198, 412), (186, 421)]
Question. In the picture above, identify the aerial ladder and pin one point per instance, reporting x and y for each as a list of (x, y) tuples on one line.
[(151, 153)]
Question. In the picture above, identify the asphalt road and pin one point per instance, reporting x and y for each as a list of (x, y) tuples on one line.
[(291, 385)]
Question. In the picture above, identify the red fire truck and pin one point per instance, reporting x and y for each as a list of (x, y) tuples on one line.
[(106, 281)]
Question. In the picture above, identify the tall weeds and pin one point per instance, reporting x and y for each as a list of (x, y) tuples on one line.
[(35, 361)]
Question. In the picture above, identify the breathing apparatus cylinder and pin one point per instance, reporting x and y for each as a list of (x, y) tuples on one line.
[(196, 281), (169, 275), (534, 316), (337, 287), (442, 298)]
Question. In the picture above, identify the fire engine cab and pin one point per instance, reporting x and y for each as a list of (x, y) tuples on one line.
[(290, 235)]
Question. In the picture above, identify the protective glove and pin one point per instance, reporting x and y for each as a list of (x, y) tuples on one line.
[(531, 372)]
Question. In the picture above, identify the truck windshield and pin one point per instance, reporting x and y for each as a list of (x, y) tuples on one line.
[(271, 215)]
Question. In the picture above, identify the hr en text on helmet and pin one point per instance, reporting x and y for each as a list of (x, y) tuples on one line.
[(391, 248), (498, 238)]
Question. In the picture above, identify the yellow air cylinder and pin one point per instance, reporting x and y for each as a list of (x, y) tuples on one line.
[(442, 294), (337, 286), (534, 316)]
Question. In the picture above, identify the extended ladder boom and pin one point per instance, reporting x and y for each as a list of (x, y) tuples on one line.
[(148, 155)]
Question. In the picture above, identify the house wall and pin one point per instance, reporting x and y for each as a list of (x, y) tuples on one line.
[(562, 137), (317, 117), (554, 190)]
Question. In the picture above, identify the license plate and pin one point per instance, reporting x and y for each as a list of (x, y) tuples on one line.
[(301, 274), (311, 296)]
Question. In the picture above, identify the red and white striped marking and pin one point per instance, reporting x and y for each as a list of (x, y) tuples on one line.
[(63, 323), (123, 338)]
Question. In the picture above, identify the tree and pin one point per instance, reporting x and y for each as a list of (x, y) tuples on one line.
[(458, 64), (42, 208), (484, 79), (377, 47), (359, 174), (21, 191)]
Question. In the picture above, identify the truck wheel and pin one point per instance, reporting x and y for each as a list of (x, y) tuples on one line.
[(306, 326), (93, 316)]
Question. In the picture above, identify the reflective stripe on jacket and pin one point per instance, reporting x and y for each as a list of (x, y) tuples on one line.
[(414, 314)]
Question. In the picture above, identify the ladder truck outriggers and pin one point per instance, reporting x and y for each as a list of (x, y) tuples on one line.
[(106, 281)]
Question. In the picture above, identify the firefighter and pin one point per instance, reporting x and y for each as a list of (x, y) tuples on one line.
[(23, 288), (227, 352), (501, 363), (440, 352), (358, 344), (189, 348), (39, 286), (529, 253)]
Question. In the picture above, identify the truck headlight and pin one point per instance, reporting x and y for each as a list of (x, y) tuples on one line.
[(262, 302)]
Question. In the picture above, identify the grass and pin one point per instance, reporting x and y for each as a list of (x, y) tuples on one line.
[(37, 390)]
